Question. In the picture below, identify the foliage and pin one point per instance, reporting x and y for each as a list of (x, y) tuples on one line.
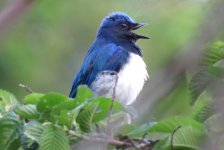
[(54, 121), (45, 121)]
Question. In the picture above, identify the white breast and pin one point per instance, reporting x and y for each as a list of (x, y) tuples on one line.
[(131, 79)]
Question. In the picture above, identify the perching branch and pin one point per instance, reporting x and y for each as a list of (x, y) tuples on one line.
[(112, 103), (101, 140), (11, 13), (121, 143)]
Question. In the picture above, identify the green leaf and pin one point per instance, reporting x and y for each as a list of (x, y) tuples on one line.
[(83, 97), (210, 72), (125, 129), (49, 101), (168, 125), (164, 128), (53, 138), (85, 116), (15, 145), (198, 84), (214, 54), (204, 79), (9, 129), (7, 101), (34, 130), (139, 131), (27, 111), (187, 137), (161, 144), (104, 107), (65, 118), (33, 98), (66, 106), (83, 93), (203, 109)]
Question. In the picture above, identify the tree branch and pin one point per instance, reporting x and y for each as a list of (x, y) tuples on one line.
[(112, 104), (121, 143), (12, 12), (102, 140)]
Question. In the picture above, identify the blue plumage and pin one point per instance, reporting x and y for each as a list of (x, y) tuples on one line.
[(111, 49)]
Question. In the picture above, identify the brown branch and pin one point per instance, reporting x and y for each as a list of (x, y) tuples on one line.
[(112, 103), (102, 140), (12, 12), (26, 87), (123, 142)]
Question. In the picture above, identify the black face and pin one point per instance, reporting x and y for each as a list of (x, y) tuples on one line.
[(121, 25)]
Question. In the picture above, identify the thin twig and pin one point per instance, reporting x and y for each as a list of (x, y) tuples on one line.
[(111, 106), (26, 87), (172, 136)]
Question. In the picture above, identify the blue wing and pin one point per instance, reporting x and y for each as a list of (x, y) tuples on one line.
[(109, 57)]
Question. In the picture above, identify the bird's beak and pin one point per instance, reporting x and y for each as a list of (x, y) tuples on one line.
[(139, 25)]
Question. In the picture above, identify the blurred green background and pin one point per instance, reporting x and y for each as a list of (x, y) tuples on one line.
[(46, 46)]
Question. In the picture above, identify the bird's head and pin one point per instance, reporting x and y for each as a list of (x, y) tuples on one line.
[(121, 25)]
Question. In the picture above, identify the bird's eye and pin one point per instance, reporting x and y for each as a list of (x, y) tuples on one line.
[(124, 26)]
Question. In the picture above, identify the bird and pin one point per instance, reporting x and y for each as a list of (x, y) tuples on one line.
[(113, 66)]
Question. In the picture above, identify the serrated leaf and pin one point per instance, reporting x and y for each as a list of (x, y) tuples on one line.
[(85, 116), (15, 145), (49, 101), (204, 79), (104, 107), (27, 111), (164, 128), (214, 54), (83, 93), (198, 84), (139, 131), (125, 129), (7, 101), (83, 97), (187, 137), (168, 125), (34, 130), (65, 118), (53, 138), (161, 144), (209, 72), (66, 106), (202, 109), (9, 129), (33, 98)]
